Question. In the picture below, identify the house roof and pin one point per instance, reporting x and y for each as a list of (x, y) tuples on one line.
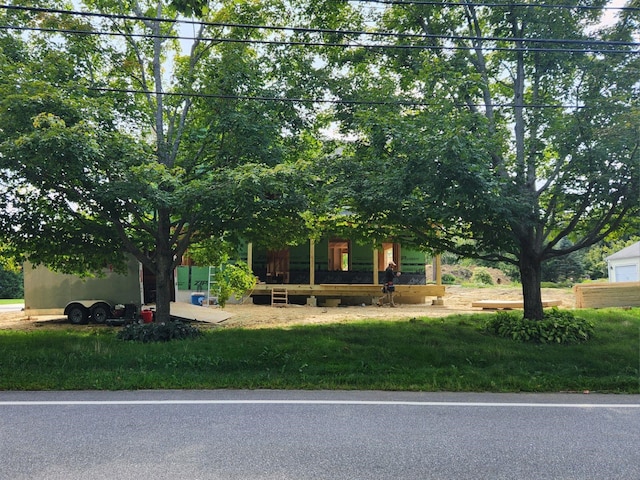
[(632, 251)]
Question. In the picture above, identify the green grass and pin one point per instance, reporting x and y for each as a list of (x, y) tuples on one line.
[(422, 354), (7, 301)]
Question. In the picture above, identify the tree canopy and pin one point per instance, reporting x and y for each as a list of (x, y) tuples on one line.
[(116, 142), (507, 132), (511, 135)]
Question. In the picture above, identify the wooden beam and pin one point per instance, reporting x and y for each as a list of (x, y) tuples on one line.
[(510, 304), (350, 290), (312, 261), (374, 280)]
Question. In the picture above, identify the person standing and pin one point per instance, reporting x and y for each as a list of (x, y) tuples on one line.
[(388, 287)]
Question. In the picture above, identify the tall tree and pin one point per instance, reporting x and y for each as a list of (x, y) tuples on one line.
[(506, 132), (114, 141)]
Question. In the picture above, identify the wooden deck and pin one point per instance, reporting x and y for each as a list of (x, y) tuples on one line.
[(339, 290), (510, 304)]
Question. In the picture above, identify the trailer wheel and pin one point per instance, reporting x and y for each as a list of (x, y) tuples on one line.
[(100, 312), (77, 314)]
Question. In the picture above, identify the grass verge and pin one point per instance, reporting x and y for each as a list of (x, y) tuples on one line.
[(421, 354), (10, 301)]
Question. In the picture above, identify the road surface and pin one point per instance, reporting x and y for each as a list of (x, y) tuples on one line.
[(315, 435)]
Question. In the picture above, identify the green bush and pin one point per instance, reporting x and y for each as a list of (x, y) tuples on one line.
[(234, 279), (558, 326), (448, 279), (482, 276), (158, 332)]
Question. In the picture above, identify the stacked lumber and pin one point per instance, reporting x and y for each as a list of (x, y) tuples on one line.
[(601, 295), (510, 304)]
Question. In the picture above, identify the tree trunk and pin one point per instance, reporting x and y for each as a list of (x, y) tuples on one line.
[(530, 276), (164, 262)]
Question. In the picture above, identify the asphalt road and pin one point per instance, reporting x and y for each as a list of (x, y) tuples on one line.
[(11, 307), (317, 435)]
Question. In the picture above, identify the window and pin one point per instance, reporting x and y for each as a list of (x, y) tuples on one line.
[(390, 252), (339, 255)]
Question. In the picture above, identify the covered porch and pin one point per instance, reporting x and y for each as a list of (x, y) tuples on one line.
[(277, 275)]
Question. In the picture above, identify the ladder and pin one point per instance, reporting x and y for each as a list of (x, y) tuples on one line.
[(279, 297), (213, 289)]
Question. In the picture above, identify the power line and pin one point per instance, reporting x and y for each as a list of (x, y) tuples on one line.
[(498, 5), (405, 103), (330, 44), (607, 45)]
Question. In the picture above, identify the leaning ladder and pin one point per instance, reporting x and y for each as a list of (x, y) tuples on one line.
[(213, 290), (279, 297)]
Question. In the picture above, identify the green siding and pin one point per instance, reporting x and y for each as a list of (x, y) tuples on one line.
[(193, 278), (412, 261), (361, 257)]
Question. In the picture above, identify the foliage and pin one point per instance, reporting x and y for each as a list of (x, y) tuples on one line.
[(565, 268), (594, 258), (212, 251), (475, 149), (558, 326), (229, 278), (158, 332), (448, 279), (482, 275), (93, 165), (11, 284), (235, 280)]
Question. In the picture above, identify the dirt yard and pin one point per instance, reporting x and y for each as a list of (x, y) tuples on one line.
[(457, 300)]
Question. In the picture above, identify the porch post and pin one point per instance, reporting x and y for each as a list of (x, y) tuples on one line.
[(438, 271), (250, 255), (312, 262), (375, 266)]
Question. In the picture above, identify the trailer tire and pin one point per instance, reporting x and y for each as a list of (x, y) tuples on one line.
[(77, 314), (100, 312)]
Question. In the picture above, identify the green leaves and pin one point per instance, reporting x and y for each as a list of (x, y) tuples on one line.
[(557, 326)]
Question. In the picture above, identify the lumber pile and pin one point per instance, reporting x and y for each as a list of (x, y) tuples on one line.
[(602, 295), (510, 304)]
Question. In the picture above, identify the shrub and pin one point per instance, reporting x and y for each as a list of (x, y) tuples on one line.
[(558, 326), (158, 332), (234, 279), (448, 279), (481, 275)]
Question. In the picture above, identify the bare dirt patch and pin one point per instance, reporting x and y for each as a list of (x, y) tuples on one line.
[(457, 300)]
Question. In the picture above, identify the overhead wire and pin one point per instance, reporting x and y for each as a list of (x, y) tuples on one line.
[(609, 44), (373, 46), (345, 33), (560, 6), (407, 103)]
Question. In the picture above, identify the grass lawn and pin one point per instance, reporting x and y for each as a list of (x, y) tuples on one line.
[(8, 301), (422, 354)]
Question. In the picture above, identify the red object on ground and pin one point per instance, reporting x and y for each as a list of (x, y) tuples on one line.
[(147, 316)]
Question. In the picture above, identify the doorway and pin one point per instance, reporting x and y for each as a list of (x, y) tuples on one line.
[(278, 266), (339, 258)]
